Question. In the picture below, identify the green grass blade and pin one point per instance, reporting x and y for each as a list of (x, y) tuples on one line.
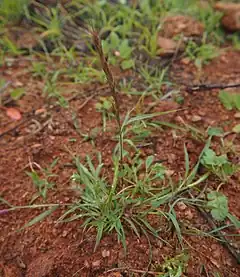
[(172, 217), (39, 218), (186, 161)]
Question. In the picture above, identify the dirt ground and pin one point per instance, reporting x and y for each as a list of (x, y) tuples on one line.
[(50, 249)]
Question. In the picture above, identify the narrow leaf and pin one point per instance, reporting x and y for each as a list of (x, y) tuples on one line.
[(39, 218)]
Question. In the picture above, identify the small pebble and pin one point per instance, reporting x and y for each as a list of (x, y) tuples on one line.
[(196, 118), (237, 115), (18, 84), (182, 206), (105, 253), (201, 113), (64, 234), (96, 263), (189, 215)]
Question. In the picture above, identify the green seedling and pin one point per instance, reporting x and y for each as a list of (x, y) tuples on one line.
[(176, 6), (52, 90), (154, 80), (230, 100), (9, 47), (126, 86), (217, 203), (85, 74), (148, 40), (212, 23), (17, 93), (11, 10), (39, 70), (118, 51), (66, 55), (2, 57), (50, 27), (218, 165), (140, 131), (173, 267), (236, 41), (143, 180), (202, 54), (42, 181), (104, 106)]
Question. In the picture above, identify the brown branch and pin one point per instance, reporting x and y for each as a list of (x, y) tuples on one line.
[(210, 86)]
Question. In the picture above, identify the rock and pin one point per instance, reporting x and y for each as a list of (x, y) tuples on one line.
[(169, 172), (201, 112), (86, 264), (196, 118), (188, 214), (167, 46), (179, 119), (160, 243), (40, 111), (182, 206), (105, 253), (237, 115), (181, 24), (227, 7), (171, 157), (231, 18), (20, 263), (231, 21), (17, 84), (96, 263), (185, 61), (64, 233)]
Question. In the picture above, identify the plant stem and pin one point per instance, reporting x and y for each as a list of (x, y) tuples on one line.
[(111, 82)]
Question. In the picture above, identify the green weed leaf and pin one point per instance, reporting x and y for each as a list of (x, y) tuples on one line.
[(127, 64), (149, 161), (105, 46), (215, 131), (237, 100), (114, 39), (226, 99), (17, 93), (236, 129), (125, 50), (234, 220), (218, 204), (210, 158)]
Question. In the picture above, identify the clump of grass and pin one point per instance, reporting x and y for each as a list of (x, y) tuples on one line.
[(42, 180), (201, 54), (12, 10)]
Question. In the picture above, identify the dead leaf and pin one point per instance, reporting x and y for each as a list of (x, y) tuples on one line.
[(13, 113)]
